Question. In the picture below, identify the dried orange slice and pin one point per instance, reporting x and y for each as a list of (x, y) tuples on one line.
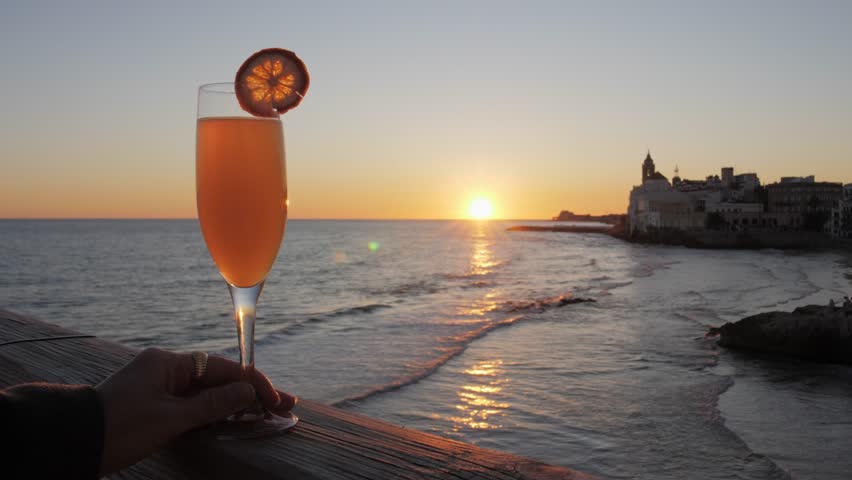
[(271, 82)]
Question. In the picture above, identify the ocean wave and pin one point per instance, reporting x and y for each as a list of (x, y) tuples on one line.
[(694, 316), (649, 268), (721, 387), (420, 287), (482, 269), (540, 305), (308, 321), (477, 273), (607, 286), (766, 271), (458, 345), (357, 310)]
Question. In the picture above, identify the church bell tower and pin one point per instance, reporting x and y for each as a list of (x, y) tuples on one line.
[(648, 168)]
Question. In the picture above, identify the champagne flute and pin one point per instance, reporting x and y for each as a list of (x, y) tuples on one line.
[(241, 193)]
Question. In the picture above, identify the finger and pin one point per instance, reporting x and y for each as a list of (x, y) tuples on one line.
[(216, 403), (220, 371), (286, 404)]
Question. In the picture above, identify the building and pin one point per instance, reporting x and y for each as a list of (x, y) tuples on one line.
[(649, 170), (808, 179), (745, 188), (740, 187), (695, 185), (734, 197), (739, 215), (737, 202), (728, 177), (802, 203), (657, 205), (840, 223), (746, 181)]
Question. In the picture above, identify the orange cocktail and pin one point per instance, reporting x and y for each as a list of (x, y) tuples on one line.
[(241, 190)]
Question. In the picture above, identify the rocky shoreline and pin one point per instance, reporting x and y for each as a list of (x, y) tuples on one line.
[(812, 332)]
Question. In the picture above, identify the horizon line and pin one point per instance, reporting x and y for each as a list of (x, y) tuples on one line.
[(289, 219)]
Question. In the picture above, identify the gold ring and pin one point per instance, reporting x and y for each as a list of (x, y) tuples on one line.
[(199, 360)]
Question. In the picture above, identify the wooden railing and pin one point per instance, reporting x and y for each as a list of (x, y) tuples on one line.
[(328, 443)]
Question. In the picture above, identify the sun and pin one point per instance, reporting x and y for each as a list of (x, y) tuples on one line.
[(480, 209)]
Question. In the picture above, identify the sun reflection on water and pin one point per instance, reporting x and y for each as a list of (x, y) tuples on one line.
[(481, 398), (481, 307), (482, 262), (481, 405)]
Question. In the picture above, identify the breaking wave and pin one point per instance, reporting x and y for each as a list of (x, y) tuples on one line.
[(456, 344), (540, 305)]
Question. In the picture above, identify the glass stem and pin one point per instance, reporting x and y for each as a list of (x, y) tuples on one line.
[(245, 315)]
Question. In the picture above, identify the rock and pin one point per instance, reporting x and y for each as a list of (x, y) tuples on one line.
[(812, 332)]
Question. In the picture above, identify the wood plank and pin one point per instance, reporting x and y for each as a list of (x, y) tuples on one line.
[(328, 443)]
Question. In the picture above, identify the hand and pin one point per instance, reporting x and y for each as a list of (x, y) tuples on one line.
[(155, 397)]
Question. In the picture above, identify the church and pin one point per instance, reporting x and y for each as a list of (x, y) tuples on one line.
[(649, 170), (656, 204)]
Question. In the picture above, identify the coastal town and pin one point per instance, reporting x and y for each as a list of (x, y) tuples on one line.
[(730, 209), (737, 202)]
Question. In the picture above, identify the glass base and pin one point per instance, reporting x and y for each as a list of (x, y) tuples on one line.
[(248, 425)]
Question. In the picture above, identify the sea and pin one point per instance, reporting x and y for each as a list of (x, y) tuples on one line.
[(467, 330)]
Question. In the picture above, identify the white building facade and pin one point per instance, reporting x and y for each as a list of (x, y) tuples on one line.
[(657, 205)]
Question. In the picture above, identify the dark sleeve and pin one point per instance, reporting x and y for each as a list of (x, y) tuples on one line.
[(51, 431)]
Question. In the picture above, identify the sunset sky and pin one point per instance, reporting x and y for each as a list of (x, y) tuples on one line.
[(416, 108)]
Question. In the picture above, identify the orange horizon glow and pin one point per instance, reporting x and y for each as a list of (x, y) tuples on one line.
[(400, 195), (412, 190), (335, 199)]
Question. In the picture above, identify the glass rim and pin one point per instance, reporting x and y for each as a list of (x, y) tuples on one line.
[(218, 87)]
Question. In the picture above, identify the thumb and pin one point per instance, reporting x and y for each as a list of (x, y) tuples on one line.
[(217, 403)]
